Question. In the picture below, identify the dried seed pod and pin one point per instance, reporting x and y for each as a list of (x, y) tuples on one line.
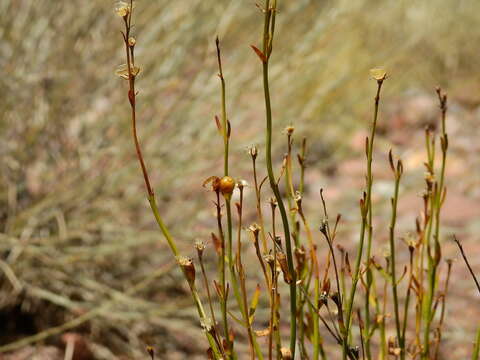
[(207, 324), (298, 201), (301, 256), (282, 260), (132, 41), (255, 229), (217, 244), (188, 268), (200, 246), (393, 348), (326, 287), (214, 181), (241, 184), (355, 351), (324, 228), (253, 151), (273, 202), (286, 353), (270, 260), (123, 9), (289, 130), (151, 352), (227, 184), (323, 300)]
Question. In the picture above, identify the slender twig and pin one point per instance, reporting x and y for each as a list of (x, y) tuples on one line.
[(464, 256), (365, 205), (442, 311), (269, 27), (397, 172), (369, 209), (476, 349), (434, 260), (132, 94)]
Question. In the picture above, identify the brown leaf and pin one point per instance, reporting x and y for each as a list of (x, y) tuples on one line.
[(217, 244), (259, 53)]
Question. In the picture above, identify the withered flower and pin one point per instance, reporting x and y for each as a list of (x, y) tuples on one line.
[(188, 268), (289, 130), (378, 74), (255, 229), (253, 151), (241, 184), (214, 181), (200, 246), (123, 9), (282, 260), (286, 353), (132, 41)]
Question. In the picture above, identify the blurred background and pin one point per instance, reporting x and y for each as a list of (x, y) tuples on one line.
[(80, 253)]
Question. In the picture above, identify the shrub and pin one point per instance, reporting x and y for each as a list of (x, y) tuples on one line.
[(323, 301)]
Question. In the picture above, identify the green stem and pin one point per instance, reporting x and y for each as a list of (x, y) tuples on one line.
[(392, 262), (370, 214), (434, 261), (267, 46), (366, 223), (476, 348)]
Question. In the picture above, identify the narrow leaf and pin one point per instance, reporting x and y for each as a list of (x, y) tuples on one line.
[(259, 53)]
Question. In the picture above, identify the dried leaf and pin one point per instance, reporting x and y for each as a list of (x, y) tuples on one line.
[(253, 304), (259, 53)]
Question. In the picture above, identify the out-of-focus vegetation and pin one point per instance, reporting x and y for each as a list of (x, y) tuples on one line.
[(76, 234)]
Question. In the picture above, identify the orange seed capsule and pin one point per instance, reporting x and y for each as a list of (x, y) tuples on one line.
[(227, 184)]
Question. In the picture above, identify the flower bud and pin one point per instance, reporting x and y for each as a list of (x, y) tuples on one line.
[(253, 151)]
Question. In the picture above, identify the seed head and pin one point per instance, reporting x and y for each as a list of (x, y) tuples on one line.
[(289, 130), (200, 246), (188, 268), (151, 352), (282, 261), (227, 184), (378, 74), (269, 259), (286, 353), (253, 151), (123, 9), (255, 229), (242, 184), (131, 41)]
